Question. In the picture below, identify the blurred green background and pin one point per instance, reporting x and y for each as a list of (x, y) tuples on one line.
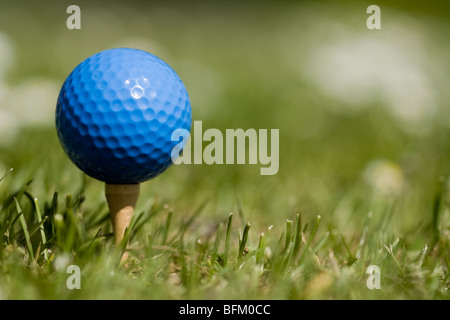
[(363, 114)]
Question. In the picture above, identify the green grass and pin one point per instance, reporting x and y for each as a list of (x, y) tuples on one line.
[(185, 252), (354, 189)]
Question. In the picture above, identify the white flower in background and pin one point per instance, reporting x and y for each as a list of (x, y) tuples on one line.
[(30, 103), (61, 262), (33, 101), (384, 176), (8, 126), (358, 68)]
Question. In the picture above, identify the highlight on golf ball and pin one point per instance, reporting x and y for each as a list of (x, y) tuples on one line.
[(116, 112)]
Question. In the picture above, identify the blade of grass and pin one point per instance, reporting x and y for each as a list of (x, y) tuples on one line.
[(437, 208), (261, 251), (261, 248), (320, 243), (166, 227), (227, 239), (89, 246), (297, 235), (60, 230), (240, 212), (38, 251), (25, 230), (146, 217), (195, 214), (215, 251), (351, 257), (390, 250), (310, 238), (6, 174), (137, 224), (187, 224), (38, 227), (53, 210), (364, 235), (243, 241), (447, 262), (41, 227), (314, 231), (217, 240), (72, 226), (288, 234)]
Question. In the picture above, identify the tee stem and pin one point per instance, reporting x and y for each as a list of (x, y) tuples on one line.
[(121, 199)]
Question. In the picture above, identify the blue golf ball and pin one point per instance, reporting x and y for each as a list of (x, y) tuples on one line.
[(116, 113)]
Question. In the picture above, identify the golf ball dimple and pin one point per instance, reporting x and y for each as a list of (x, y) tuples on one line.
[(116, 113)]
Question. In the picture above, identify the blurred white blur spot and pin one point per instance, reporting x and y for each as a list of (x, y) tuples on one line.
[(384, 176), (8, 123), (395, 68), (33, 101), (30, 103), (6, 54), (8, 127), (61, 262), (268, 253)]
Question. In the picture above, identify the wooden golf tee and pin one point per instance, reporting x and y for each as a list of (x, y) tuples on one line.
[(121, 199)]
